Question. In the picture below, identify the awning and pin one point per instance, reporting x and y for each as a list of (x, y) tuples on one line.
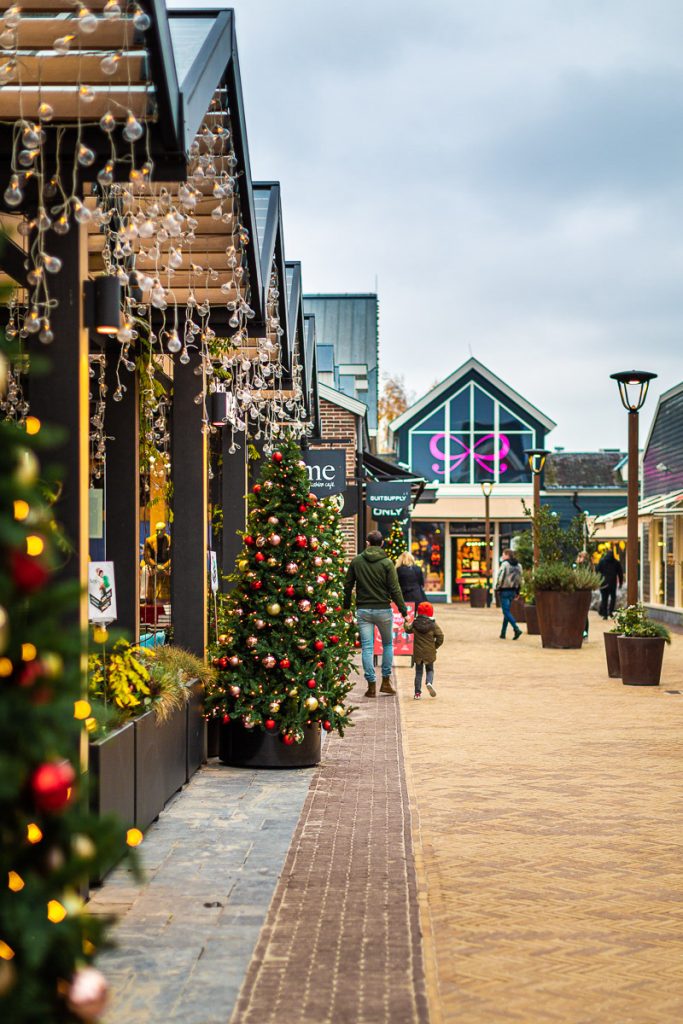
[(657, 505)]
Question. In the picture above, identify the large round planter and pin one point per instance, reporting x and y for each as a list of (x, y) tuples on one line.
[(255, 748), (531, 617), (612, 655), (641, 658), (478, 597), (562, 617), (518, 609)]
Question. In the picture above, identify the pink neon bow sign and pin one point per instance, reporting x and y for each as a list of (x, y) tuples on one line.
[(487, 460)]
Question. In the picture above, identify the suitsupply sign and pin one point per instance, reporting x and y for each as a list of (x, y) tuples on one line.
[(387, 500)]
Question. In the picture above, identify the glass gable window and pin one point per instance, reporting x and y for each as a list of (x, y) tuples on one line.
[(472, 437)]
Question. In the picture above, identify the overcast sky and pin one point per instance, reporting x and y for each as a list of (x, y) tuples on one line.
[(509, 171)]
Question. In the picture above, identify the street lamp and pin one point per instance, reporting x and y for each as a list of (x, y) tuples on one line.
[(487, 488), (536, 460), (633, 388)]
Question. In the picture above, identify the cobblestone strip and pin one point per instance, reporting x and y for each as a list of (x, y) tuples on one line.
[(341, 944)]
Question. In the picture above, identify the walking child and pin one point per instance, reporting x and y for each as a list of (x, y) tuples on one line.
[(428, 637)]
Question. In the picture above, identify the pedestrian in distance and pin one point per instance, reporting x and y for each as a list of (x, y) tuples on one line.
[(410, 578), (373, 574), (612, 573), (427, 638), (508, 585), (584, 561)]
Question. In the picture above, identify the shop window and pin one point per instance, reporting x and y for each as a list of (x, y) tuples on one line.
[(423, 461), (460, 412), (428, 549), (516, 468), (435, 421), (484, 411)]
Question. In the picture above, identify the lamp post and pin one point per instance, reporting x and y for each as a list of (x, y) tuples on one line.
[(487, 487), (633, 388), (536, 460)]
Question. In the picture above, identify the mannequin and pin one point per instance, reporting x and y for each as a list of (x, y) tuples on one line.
[(157, 558)]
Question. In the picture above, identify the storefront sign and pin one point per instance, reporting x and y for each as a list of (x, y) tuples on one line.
[(326, 471), (403, 642), (461, 451), (101, 592), (387, 501)]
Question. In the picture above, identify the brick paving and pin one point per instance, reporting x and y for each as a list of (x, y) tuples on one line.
[(212, 862), (548, 833), (341, 944)]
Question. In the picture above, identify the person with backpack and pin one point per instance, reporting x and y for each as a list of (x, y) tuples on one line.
[(508, 585)]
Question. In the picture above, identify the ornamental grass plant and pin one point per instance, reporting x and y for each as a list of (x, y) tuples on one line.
[(559, 576)]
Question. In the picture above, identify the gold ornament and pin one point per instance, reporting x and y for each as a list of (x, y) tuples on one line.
[(339, 710), (273, 609), (294, 692), (243, 565), (274, 707), (311, 703)]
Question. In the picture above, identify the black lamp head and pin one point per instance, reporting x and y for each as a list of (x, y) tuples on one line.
[(536, 459), (487, 487), (633, 386)]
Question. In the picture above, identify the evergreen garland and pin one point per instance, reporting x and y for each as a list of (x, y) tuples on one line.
[(285, 646)]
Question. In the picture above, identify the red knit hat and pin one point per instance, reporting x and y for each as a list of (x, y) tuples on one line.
[(425, 608)]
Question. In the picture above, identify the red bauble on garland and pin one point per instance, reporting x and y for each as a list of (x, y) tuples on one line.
[(290, 591), (319, 645), (51, 785), (259, 556), (256, 585), (288, 739), (269, 724), (249, 540), (327, 726), (285, 663), (277, 456), (334, 639), (28, 574), (321, 608), (257, 488), (300, 540), (311, 684)]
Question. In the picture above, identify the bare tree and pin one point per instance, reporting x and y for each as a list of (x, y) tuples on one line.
[(393, 400)]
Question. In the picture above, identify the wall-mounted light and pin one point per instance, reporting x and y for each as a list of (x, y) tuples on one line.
[(103, 298), (218, 408)]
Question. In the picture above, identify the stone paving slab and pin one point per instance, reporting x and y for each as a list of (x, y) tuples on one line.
[(547, 808), (341, 944), (212, 861)]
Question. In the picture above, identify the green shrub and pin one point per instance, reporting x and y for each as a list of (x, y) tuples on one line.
[(559, 576), (632, 621)]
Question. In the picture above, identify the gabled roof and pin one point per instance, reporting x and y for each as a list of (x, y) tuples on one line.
[(462, 372), (583, 469), (342, 400)]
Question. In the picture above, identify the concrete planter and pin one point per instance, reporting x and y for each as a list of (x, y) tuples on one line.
[(641, 659), (255, 748), (612, 655), (562, 617)]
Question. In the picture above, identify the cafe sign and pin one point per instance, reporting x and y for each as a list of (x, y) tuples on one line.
[(326, 471)]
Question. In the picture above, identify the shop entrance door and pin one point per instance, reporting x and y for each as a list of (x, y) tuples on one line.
[(468, 562)]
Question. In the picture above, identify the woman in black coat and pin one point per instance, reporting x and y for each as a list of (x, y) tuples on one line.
[(410, 578)]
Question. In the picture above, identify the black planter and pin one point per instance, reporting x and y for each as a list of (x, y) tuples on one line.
[(196, 730), (612, 655), (160, 763), (213, 737), (111, 777), (255, 748), (478, 597), (641, 659), (562, 617), (531, 619)]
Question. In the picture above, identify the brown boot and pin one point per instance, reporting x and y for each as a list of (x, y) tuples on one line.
[(386, 686), (371, 690)]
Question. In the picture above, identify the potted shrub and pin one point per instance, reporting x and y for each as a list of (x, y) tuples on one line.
[(641, 646), (563, 597)]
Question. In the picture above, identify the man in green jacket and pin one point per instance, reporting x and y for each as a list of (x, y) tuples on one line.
[(374, 576)]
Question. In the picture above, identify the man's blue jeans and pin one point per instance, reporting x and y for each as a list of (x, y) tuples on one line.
[(507, 596), (383, 618)]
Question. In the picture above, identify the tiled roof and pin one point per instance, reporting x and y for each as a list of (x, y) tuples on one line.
[(583, 469)]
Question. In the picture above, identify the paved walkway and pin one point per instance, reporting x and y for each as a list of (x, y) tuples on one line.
[(548, 832), (212, 862)]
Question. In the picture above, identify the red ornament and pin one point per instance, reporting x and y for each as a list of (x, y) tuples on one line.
[(327, 726), (319, 645), (303, 508), (289, 591), (300, 540), (269, 724), (260, 557), (256, 585), (277, 456), (285, 663), (226, 719), (311, 684), (321, 608), (257, 488), (216, 662), (30, 672), (334, 639), (249, 541), (27, 573), (288, 739), (223, 662), (356, 643), (51, 785)]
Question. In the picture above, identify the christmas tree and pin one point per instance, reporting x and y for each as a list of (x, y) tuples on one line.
[(285, 646), (395, 543), (49, 842)]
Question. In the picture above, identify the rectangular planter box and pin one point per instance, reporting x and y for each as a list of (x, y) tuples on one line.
[(112, 778), (160, 763), (196, 730)]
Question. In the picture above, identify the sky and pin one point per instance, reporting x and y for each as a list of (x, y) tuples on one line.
[(507, 173)]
